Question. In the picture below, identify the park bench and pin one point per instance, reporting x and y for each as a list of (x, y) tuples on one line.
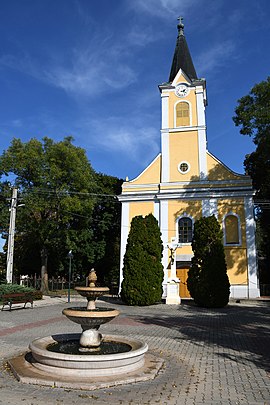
[(16, 298)]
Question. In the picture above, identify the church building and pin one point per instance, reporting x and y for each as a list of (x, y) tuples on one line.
[(186, 182)]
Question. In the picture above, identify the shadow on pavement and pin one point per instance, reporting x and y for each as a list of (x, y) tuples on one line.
[(244, 330)]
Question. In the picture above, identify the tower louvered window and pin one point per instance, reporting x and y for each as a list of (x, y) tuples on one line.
[(182, 114)]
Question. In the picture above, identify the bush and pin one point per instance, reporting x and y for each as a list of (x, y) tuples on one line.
[(143, 271), (208, 281), (16, 288)]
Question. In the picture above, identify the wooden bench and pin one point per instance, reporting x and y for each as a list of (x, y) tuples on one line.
[(16, 298)]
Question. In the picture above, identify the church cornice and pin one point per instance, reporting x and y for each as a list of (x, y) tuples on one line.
[(187, 194), (183, 129), (194, 83)]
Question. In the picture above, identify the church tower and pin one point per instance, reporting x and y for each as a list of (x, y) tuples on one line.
[(183, 101), (185, 182)]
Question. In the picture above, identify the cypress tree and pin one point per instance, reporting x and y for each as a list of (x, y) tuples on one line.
[(208, 281), (143, 271)]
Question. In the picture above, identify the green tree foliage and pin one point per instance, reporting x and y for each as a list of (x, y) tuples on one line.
[(143, 271), (208, 281), (58, 188), (252, 115), (106, 227)]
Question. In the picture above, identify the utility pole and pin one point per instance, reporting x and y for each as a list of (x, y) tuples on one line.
[(70, 256), (11, 233)]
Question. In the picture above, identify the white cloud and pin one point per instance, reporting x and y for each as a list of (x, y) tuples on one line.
[(86, 72), (142, 36), (17, 123), (164, 8), (216, 56), (88, 75), (111, 134)]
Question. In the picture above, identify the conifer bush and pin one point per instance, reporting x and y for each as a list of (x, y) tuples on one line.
[(143, 271), (208, 281)]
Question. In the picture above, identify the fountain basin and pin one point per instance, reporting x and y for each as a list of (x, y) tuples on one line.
[(60, 364), (88, 360), (90, 318), (92, 291)]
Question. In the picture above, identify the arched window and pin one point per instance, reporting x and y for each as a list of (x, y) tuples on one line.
[(182, 114), (185, 230), (232, 236)]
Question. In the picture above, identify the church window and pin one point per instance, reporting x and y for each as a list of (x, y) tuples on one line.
[(232, 230), (183, 167), (182, 114), (185, 230)]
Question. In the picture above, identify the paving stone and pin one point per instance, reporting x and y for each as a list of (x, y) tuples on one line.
[(215, 357)]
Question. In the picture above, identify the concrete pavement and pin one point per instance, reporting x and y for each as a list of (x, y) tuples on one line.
[(218, 356)]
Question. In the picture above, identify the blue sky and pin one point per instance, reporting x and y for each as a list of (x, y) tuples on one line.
[(91, 69)]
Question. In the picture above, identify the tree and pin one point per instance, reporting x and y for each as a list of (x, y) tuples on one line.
[(253, 112), (58, 188), (253, 116), (106, 225), (208, 281), (143, 271)]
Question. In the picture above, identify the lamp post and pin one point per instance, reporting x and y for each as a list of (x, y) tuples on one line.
[(70, 256), (11, 232)]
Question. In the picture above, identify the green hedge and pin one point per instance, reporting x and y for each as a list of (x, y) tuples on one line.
[(15, 288)]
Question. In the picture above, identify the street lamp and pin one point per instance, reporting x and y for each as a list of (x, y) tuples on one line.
[(70, 256), (11, 234)]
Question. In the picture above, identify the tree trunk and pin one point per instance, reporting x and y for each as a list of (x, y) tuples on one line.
[(44, 271)]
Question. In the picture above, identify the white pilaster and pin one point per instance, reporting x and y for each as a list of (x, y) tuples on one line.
[(165, 138), (164, 236), (253, 285), (201, 132), (156, 211), (124, 237), (209, 207), (165, 153), (164, 110)]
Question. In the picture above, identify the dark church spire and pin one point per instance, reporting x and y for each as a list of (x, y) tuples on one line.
[(182, 59)]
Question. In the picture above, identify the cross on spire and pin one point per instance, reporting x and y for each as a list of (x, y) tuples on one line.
[(180, 26), (180, 19)]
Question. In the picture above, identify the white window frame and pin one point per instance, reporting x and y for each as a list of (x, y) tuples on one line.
[(239, 229), (183, 162), (190, 114), (185, 215)]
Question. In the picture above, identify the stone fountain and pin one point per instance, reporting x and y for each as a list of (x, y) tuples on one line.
[(88, 360), (91, 318)]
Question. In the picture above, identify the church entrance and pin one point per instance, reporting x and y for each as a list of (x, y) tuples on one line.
[(182, 273)]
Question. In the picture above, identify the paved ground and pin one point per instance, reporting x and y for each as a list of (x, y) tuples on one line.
[(211, 356)]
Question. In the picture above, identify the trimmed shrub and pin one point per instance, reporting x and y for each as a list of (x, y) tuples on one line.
[(208, 281), (143, 271), (16, 288)]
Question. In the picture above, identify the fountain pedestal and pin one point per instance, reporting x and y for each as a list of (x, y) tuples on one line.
[(91, 318)]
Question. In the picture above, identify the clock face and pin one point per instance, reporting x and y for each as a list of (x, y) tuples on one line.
[(182, 90)]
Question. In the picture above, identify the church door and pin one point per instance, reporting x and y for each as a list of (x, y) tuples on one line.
[(182, 274)]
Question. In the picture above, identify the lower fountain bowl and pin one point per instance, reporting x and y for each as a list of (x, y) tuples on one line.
[(90, 318), (87, 365)]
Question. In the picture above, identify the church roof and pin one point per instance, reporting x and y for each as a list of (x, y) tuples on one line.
[(182, 59)]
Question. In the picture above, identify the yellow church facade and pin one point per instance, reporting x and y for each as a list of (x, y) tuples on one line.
[(185, 182)]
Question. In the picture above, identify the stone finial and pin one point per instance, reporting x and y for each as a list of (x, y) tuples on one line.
[(92, 278)]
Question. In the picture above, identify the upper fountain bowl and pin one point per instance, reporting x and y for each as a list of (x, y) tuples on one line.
[(92, 292)]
